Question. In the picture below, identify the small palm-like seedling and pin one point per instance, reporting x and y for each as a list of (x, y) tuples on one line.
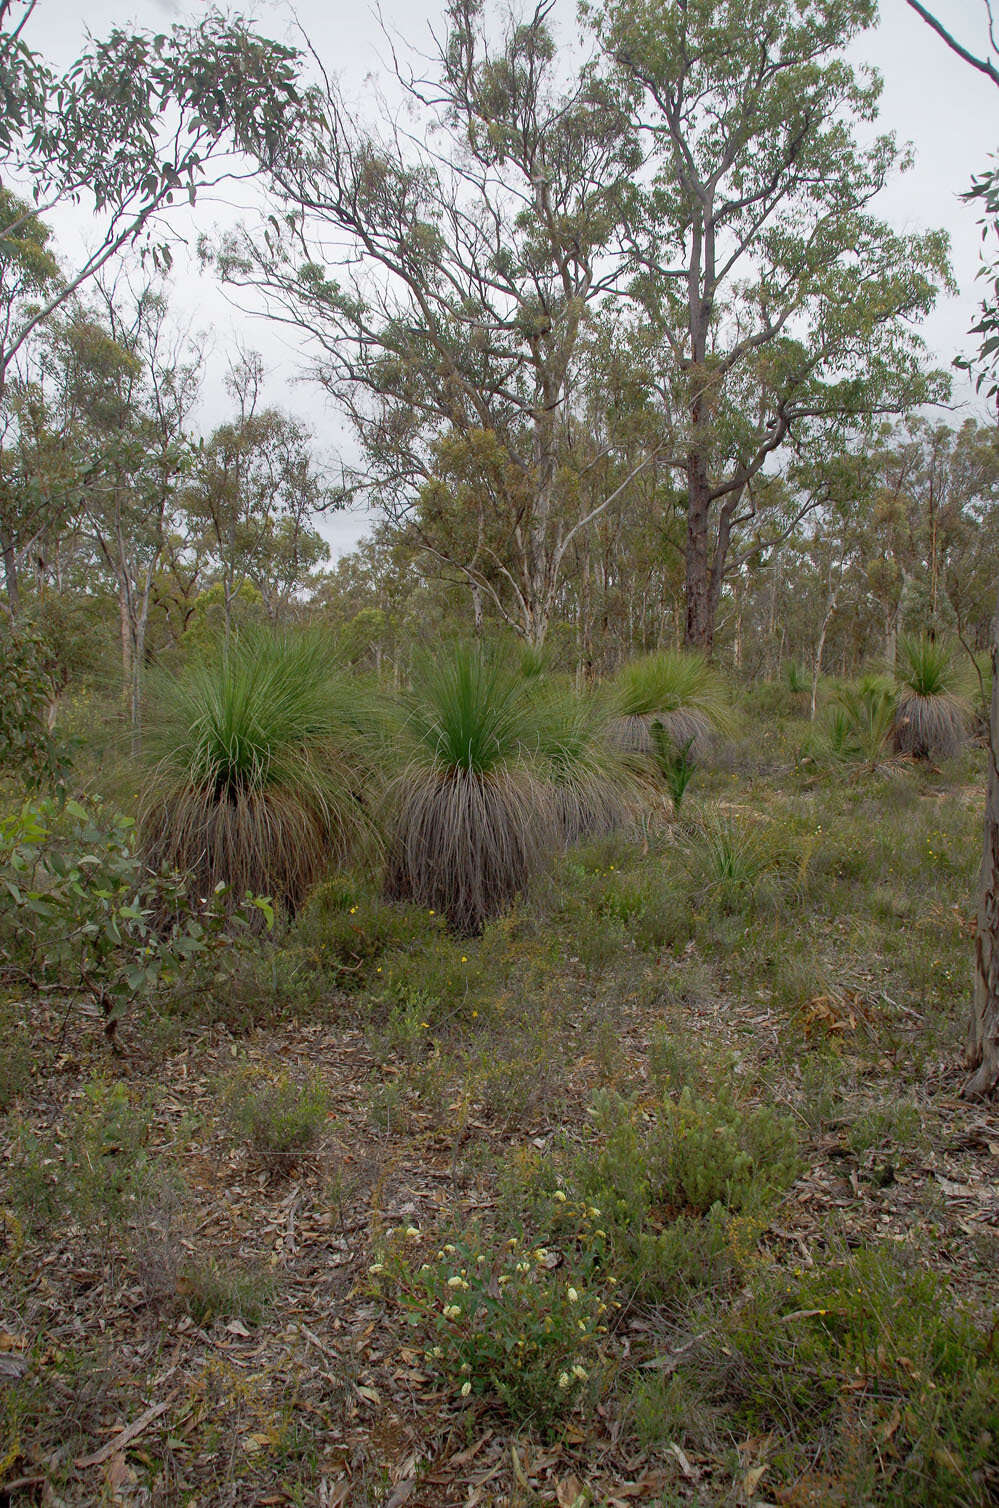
[(677, 689), (470, 812), (673, 762), (860, 723), (254, 777), (933, 711)]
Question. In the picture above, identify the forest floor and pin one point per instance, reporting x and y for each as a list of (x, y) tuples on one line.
[(698, 1100)]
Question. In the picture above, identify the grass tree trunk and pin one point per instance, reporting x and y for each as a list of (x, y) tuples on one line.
[(983, 1037)]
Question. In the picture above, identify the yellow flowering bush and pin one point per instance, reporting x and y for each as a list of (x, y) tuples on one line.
[(515, 1323)]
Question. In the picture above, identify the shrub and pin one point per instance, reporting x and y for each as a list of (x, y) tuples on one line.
[(279, 1119), (695, 1153), (89, 920), (933, 712), (864, 1374), (678, 689), (96, 1171), (28, 747), (513, 1323), (344, 932), (254, 771), (15, 1061), (731, 862), (212, 1289)]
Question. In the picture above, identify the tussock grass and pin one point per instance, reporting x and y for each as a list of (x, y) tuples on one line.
[(254, 774)]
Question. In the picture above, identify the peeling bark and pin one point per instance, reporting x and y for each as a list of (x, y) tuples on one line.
[(983, 1035)]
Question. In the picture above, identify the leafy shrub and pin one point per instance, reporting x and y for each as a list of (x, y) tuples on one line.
[(88, 918), (15, 1061), (279, 1119), (866, 1361), (516, 1323), (344, 931), (213, 1290), (29, 749), (95, 1171), (255, 778), (696, 1152)]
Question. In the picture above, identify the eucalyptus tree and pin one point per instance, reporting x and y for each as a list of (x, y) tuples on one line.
[(253, 496), (445, 272), (104, 434), (776, 308), (136, 123), (983, 1033)]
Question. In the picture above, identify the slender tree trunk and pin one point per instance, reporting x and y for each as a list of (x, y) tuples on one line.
[(699, 630), (983, 1036), (126, 637), (820, 646), (10, 579)]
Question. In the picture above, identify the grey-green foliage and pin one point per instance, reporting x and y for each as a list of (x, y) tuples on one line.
[(772, 300), (84, 917)]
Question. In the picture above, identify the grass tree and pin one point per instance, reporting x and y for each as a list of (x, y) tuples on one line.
[(677, 690), (254, 777), (469, 812), (494, 769), (596, 785), (933, 711)]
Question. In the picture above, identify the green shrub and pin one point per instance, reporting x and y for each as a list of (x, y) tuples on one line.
[(29, 749), (861, 1372), (86, 917), (513, 1323), (95, 1172), (15, 1057), (279, 1119), (212, 1289), (694, 1153), (344, 932)]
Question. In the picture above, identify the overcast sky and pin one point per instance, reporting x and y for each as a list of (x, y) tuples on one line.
[(931, 98)]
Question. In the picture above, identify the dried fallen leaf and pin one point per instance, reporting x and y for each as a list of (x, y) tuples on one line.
[(570, 1492)]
